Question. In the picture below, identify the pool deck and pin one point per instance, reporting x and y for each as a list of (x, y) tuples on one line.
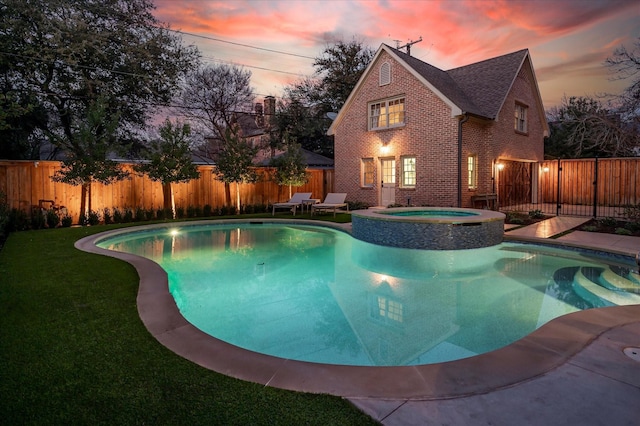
[(571, 371), (597, 385)]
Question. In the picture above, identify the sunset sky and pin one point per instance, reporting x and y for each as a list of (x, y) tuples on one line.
[(277, 40)]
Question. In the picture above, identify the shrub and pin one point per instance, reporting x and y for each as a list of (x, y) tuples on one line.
[(227, 210), (590, 228), (357, 205), (4, 215), (117, 215), (623, 231), (207, 211), (139, 215), (38, 218), (53, 218), (66, 220), (608, 222), (632, 226), (106, 216), (93, 218), (179, 212), (149, 214), (631, 213), (128, 215), (536, 214), (194, 211), (17, 220)]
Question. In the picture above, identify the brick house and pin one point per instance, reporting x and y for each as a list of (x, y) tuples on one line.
[(410, 133)]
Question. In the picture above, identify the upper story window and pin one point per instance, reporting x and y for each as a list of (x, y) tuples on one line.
[(386, 114), (367, 172), (385, 74), (521, 118)]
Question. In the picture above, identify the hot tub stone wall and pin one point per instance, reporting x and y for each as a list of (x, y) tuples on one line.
[(428, 235)]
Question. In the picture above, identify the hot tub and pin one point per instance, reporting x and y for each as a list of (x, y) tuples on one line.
[(429, 228)]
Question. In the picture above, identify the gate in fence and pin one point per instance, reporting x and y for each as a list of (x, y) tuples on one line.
[(581, 187)]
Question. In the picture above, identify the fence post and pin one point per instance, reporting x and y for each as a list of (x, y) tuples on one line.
[(595, 189), (558, 204)]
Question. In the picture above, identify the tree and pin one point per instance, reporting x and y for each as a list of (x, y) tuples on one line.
[(213, 95), (290, 167), (303, 112), (339, 68), (296, 121), (89, 145), (235, 162), (170, 160), (626, 65), (62, 56), (583, 127)]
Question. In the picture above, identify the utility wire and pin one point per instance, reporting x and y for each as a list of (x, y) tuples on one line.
[(240, 44)]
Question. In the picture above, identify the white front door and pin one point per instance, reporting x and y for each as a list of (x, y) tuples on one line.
[(388, 187)]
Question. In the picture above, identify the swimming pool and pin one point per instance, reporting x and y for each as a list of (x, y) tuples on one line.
[(316, 294)]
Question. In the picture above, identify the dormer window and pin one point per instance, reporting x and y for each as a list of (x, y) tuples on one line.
[(385, 74)]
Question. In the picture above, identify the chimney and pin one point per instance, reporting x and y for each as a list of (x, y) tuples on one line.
[(259, 115), (269, 109)]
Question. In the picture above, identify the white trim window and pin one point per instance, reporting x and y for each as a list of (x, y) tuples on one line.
[(386, 114), (521, 118), (408, 172), (472, 169), (367, 172)]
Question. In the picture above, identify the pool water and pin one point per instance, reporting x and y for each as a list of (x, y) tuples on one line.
[(316, 294), (431, 213)]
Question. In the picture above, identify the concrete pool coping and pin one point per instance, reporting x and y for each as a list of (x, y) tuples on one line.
[(532, 356)]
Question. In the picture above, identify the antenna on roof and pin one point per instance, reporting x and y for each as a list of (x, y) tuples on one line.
[(408, 45)]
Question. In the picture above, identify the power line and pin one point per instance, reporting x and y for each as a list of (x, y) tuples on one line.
[(251, 66), (61, 62), (240, 44)]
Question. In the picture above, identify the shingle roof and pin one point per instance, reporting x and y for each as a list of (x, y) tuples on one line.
[(311, 159), (479, 88)]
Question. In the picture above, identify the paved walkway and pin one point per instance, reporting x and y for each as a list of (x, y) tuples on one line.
[(598, 385)]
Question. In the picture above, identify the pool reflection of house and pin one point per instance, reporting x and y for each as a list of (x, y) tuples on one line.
[(412, 132), (387, 313)]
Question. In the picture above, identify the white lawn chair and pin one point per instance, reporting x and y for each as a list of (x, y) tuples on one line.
[(332, 201), (293, 203)]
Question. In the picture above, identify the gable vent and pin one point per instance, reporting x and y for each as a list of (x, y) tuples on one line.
[(385, 74)]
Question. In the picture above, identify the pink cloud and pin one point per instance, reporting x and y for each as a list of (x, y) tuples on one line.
[(454, 33)]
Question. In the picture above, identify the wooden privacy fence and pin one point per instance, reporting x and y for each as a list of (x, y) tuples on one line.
[(28, 184), (583, 187)]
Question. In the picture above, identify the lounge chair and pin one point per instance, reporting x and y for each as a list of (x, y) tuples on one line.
[(293, 203), (333, 201)]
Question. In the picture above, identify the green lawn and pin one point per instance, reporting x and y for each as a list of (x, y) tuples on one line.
[(73, 351)]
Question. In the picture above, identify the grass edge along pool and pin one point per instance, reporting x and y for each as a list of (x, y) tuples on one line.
[(429, 228)]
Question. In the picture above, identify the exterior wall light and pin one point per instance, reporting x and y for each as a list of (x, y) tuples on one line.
[(500, 166)]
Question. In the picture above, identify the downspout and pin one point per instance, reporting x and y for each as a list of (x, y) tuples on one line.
[(461, 121)]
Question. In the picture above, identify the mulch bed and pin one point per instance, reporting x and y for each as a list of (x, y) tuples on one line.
[(611, 226)]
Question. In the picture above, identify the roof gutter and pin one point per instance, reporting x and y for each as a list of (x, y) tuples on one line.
[(463, 119)]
